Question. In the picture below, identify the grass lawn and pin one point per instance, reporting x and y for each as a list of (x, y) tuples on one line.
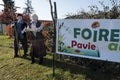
[(21, 69)]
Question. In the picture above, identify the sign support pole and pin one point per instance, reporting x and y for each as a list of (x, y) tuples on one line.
[(54, 18)]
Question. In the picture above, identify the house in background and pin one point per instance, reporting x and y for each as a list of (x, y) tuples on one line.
[(2, 28), (4, 21)]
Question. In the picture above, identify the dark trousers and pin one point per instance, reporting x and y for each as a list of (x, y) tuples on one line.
[(24, 45)]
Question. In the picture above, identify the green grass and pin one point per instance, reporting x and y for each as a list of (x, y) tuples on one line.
[(21, 69)]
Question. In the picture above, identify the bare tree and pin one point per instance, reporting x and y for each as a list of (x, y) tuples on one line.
[(107, 12), (29, 9)]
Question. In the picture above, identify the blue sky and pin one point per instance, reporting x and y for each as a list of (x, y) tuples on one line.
[(42, 7)]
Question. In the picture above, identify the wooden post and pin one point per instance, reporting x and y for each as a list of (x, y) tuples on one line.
[(54, 18), (55, 21)]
